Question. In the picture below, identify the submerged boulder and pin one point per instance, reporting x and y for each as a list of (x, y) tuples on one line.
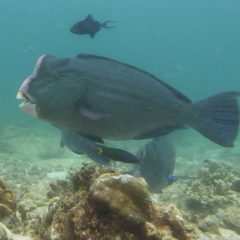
[(125, 195), (113, 206), (6, 234)]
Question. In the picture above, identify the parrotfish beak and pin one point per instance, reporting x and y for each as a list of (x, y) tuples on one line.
[(27, 104), (74, 29)]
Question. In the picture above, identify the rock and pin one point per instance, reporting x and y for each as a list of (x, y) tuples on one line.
[(5, 234), (84, 178), (112, 192), (227, 234), (210, 224), (236, 185), (57, 188), (224, 234), (57, 175), (211, 190), (112, 206), (231, 219), (7, 201)]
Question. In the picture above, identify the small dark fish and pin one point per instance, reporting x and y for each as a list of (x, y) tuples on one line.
[(89, 26), (95, 149), (107, 99), (157, 162)]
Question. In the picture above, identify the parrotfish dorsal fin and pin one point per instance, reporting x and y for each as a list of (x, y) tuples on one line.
[(177, 94), (89, 17)]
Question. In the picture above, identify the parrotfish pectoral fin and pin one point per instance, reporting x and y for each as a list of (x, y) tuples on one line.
[(92, 115), (217, 118), (118, 155)]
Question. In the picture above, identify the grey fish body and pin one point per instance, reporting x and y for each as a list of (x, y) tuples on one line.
[(157, 162), (112, 100), (103, 97)]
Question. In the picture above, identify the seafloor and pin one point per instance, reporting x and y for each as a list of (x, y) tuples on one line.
[(47, 192)]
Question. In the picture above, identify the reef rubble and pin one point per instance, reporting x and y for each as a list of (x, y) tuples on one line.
[(7, 201), (100, 203), (113, 206)]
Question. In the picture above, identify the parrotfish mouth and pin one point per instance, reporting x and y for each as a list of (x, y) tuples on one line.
[(27, 105)]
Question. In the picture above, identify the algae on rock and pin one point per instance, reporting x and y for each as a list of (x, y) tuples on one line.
[(113, 206)]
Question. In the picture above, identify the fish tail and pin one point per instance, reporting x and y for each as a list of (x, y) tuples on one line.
[(106, 24), (217, 118)]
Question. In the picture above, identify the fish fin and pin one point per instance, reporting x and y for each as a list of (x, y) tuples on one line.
[(92, 35), (217, 118), (99, 158), (118, 155), (106, 24), (73, 141), (174, 91), (92, 115), (159, 132)]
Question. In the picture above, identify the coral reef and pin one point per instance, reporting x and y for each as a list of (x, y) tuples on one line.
[(210, 199), (7, 201), (213, 200), (107, 205), (212, 189), (6, 234), (97, 203)]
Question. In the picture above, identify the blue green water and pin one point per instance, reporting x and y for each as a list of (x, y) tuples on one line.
[(193, 45)]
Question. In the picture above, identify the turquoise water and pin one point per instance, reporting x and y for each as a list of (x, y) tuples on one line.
[(193, 45)]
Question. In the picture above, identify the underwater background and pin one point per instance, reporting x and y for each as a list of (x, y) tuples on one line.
[(191, 45)]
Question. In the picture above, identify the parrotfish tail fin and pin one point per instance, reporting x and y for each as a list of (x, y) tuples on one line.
[(107, 24), (217, 118), (118, 155)]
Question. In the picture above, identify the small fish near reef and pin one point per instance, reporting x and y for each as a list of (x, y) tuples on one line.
[(89, 26), (107, 99), (94, 148)]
